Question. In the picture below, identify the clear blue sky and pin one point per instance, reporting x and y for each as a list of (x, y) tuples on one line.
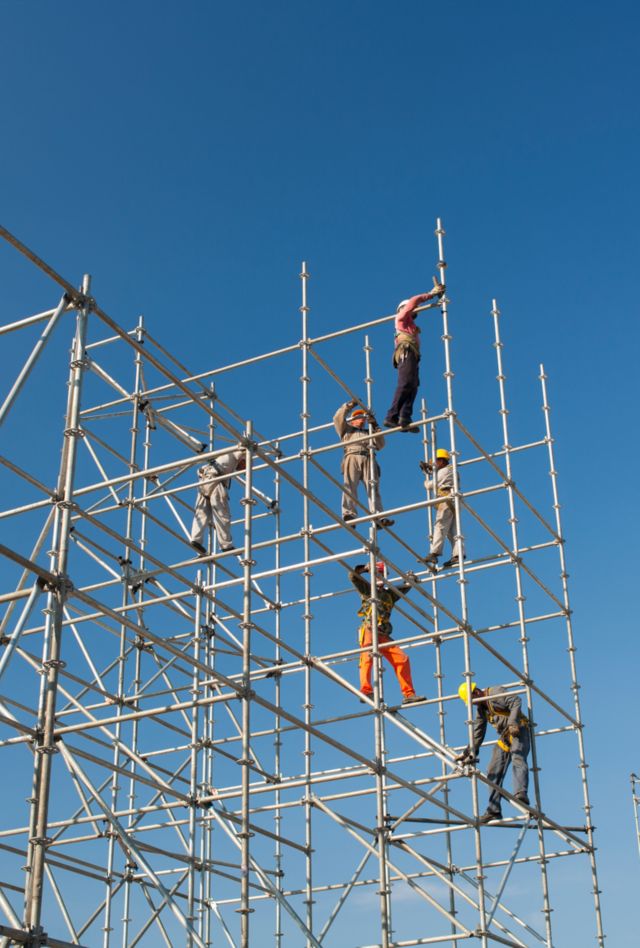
[(191, 155)]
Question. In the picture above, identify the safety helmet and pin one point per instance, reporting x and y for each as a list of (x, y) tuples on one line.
[(381, 568), (443, 453), (401, 305), (463, 691), (357, 414)]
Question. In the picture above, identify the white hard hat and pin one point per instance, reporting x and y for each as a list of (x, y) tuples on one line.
[(401, 305)]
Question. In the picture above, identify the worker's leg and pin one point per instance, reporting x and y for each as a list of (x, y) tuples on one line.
[(201, 518), (366, 665), (498, 766), (519, 753), (221, 515), (401, 408), (441, 527), (457, 546), (377, 500), (352, 472), (399, 661)]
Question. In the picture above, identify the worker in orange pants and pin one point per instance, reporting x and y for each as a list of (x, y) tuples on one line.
[(386, 597)]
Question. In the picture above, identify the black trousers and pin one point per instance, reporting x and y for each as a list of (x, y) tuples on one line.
[(406, 390)]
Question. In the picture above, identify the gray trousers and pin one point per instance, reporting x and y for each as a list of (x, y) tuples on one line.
[(499, 764), (212, 510), (356, 468), (445, 529)]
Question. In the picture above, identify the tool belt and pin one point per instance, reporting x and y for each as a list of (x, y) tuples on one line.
[(404, 342), (505, 739)]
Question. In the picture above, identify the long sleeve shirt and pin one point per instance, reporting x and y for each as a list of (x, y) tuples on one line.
[(405, 320), (501, 713), (355, 440), (387, 597), (441, 482)]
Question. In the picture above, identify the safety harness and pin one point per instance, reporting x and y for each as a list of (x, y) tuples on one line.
[(385, 604), (495, 716), (216, 467), (403, 342)]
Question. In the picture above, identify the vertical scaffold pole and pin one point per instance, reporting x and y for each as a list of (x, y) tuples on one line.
[(382, 829), (635, 800), (247, 564), (124, 658), (575, 687), (429, 441), (277, 736), (208, 729), (52, 645), (462, 581), (522, 619), (307, 616), (193, 775)]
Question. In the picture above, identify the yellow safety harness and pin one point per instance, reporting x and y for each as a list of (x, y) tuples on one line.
[(386, 603), (494, 717)]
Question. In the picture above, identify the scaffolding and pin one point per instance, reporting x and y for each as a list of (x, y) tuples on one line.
[(198, 763)]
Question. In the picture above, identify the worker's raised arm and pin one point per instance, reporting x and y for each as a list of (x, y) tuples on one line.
[(340, 418), (362, 585)]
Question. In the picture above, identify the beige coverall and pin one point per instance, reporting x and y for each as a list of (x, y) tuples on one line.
[(356, 462), (212, 504), (445, 526)]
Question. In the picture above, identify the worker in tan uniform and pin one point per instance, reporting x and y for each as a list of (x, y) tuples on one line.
[(212, 503), (504, 711), (356, 465), (444, 527)]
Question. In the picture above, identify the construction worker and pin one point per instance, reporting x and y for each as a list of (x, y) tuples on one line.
[(356, 463), (386, 598), (212, 504), (504, 712), (445, 526), (406, 358)]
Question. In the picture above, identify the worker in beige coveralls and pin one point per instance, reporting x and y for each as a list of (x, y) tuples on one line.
[(356, 463)]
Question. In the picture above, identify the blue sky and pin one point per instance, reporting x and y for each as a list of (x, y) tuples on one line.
[(191, 155)]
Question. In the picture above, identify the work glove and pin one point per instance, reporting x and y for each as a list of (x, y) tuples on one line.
[(514, 730), (360, 568), (466, 757), (438, 288), (425, 466), (352, 403)]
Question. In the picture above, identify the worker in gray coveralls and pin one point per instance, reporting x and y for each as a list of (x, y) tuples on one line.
[(504, 712), (212, 504), (356, 463)]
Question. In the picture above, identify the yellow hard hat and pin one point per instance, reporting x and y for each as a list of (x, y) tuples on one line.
[(463, 692), (443, 453)]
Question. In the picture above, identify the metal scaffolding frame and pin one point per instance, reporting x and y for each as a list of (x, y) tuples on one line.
[(176, 695)]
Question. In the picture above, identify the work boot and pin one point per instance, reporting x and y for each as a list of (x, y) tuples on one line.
[(390, 423), (413, 699), (227, 548), (347, 517), (431, 558), (406, 427), (366, 694), (452, 562), (386, 522), (521, 797), (199, 547), (489, 816)]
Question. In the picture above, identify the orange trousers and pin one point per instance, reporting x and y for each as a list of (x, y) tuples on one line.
[(398, 660)]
